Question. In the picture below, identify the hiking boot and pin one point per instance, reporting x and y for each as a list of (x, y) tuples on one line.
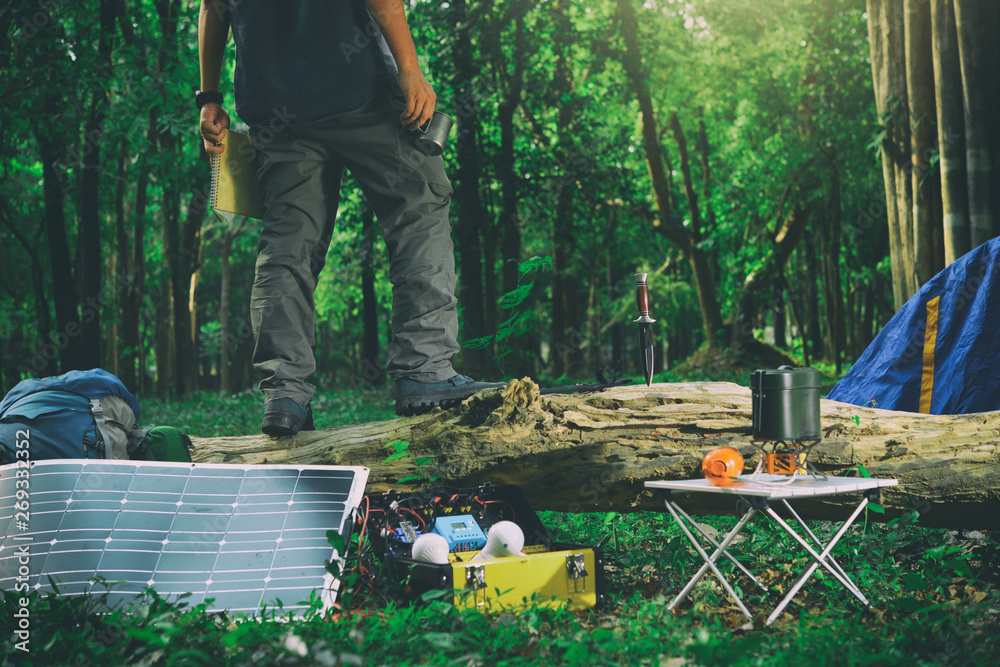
[(414, 397), (283, 416)]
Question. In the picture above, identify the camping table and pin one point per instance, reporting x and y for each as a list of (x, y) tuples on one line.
[(759, 495)]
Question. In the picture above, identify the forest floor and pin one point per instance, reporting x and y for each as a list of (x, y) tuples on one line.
[(934, 593)]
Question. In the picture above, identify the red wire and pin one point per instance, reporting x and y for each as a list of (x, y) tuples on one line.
[(484, 503), (423, 524)]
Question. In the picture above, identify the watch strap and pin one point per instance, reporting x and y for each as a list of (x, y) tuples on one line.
[(201, 98)]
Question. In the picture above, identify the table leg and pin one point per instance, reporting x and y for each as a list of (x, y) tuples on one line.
[(710, 560), (818, 559), (815, 539), (715, 544)]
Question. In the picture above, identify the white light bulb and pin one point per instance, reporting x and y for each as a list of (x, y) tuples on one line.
[(504, 539), (430, 548)]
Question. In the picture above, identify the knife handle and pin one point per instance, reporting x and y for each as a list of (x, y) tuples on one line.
[(642, 298)]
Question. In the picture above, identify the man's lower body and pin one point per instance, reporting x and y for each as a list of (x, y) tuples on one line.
[(299, 174)]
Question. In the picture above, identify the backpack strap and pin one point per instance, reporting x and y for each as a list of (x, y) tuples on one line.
[(102, 433)]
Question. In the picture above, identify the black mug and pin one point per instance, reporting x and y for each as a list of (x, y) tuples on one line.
[(433, 134)]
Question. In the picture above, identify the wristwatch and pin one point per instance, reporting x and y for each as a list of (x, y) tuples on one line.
[(201, 98)]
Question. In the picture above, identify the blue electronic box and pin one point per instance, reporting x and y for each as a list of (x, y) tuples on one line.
[(461, 531)]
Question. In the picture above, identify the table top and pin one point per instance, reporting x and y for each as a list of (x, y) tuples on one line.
[(801, 486)]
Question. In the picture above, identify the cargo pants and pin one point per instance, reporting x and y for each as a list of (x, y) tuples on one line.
[(299, 175)]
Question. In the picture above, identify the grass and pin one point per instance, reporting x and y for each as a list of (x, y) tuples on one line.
[(934, 592), (933, 589), (207, 414)]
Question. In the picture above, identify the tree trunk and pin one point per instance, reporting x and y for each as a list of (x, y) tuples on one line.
[(977, 25), (666, 222), (706, 192), (472, 215), (951, 131), (166, 350), (229, 340), (91, 267), (123, 358), (136, 277), (886, 37), (185, 311), (833, 293), (813, 330), (41, 302), (878, 45), (701, 264), (66, 338), (520, 360), (592, 452), (564, 337), (757, 284), (778, 313), (925, 184)]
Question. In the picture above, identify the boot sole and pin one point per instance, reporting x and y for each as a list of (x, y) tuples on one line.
[(416, 404), (282, 423)]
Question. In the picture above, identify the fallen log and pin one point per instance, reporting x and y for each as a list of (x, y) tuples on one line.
[(592, 452)]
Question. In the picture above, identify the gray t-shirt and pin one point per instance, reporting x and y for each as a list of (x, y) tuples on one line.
[(301, 61)]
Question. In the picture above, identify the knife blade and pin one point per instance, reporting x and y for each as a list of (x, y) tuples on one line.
[(645, 331)]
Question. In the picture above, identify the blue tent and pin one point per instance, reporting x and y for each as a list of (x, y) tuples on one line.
[(940, 354)]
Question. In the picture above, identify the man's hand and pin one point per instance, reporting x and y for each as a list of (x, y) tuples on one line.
[(214, 124), (420, 98)]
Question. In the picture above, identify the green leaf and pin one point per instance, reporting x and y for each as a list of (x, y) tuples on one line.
[(396, 457), (478, 343), (535, 263), (875, 507), (935, 553), (409, 478), (436, 594), (864, 471), (517, 295), (910, 604), (336, 540), (424, 460), (961, 567), (577, 655), (401, 447)]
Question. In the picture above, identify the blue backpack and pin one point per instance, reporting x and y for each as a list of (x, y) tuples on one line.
[(77, 415)]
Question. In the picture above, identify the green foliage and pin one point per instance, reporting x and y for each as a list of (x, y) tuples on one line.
[(208, 414), (520, 321), (932, 591), (402, 451), (782, 87)]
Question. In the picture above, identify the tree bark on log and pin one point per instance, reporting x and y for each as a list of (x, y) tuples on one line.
[(592, 451)]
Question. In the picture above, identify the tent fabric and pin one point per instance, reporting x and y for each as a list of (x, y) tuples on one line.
[(940, 353)]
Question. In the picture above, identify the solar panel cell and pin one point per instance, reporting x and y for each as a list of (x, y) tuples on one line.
[(242, 536)]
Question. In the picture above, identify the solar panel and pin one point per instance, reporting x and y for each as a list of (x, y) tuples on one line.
[(243, 536)]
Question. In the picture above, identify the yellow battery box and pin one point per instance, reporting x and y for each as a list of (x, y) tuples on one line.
[(545, 573)]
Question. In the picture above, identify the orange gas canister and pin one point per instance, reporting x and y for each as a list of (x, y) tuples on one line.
[(722, 466)]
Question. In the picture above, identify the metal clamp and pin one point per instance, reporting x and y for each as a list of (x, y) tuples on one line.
[(575, 566), (475, 577), (576, 571)]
